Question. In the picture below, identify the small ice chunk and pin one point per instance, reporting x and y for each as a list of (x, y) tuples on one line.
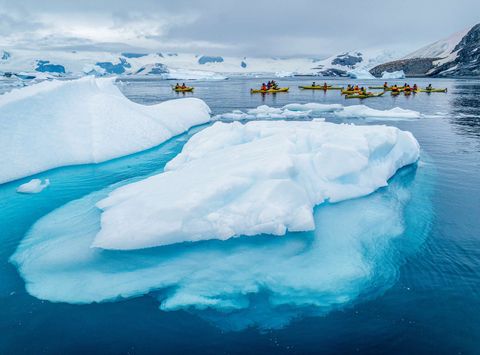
[(34, 186)]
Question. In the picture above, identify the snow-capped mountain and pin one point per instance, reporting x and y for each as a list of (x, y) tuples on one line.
[(457, 55), (439, 49), (27, 64)]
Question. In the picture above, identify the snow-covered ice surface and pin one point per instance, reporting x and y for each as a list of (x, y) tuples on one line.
[(262, 177), (316, 111), (34, 186), (400, 74), (441, 48), (58, 123)]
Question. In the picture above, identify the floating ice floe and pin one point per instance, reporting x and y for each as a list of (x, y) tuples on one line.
[(34, 186), (362, 111), (354, 254), (89, 120), (263, 177), (393, 75), (316, 110)]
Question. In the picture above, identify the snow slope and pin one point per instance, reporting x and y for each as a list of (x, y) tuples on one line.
[(88, 120), (439, 49), (263, 177), (180, 65)]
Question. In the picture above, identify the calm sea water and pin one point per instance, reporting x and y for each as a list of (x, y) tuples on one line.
[(432, 305)]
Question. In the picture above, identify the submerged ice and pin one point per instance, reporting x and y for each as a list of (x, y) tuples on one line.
[(58, 123), (354, 253)]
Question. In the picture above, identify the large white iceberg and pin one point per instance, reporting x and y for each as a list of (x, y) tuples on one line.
[(354, 254), (261, 177), (89, 120), (400, 74)]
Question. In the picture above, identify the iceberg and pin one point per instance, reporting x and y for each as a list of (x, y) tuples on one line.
[(262, 177), (34, 186), (360, 74), (354, 254), (363, 111), (393, 75), (58, 123)]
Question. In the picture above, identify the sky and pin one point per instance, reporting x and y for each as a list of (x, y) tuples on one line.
[(224, 27)]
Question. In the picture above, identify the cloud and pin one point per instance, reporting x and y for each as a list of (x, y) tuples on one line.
[(250, 27)]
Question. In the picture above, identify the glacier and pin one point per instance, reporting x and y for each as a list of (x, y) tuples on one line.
[(262, 177), (58, 123)]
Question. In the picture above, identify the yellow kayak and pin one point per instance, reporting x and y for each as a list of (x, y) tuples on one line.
[(321, 87), (269, 91), (187, 89), (349, 92), (363, 96), (432, 90)]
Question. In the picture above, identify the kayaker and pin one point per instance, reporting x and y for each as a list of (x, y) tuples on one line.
[(313, 84), (177, 86), (325, 86), (385, 85), (429, 87), (395, 88), (184, 86), (269, 85), (415, 87), (356, 88), (264, 87), (274, 85), (407, 88)]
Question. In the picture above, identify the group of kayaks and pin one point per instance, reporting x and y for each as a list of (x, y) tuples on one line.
[(352, 92)]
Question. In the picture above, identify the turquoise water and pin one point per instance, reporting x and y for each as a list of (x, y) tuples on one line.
[(420, 295)]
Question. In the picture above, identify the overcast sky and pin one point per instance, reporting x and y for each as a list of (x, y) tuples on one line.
[(224, 27)]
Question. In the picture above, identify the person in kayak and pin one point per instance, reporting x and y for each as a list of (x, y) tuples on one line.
[(395, 88), (349, 87), (264, 87), (356, 88), (385, 85), (325, 86), (429, 87), (274, 85), (407, 88), (415, 87), (313, 84), (177, 86), (184, 86)]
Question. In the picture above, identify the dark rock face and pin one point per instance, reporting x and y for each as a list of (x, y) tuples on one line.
[(467, 62), (411, 67), (333, 72), (347, 60)]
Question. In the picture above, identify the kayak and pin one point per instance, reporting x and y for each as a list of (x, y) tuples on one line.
[(321, 87), (395, 93), (361, 96), (187, 89), (350, 92), (378, 87), (400, 88), (270, 91), (432, 90)]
